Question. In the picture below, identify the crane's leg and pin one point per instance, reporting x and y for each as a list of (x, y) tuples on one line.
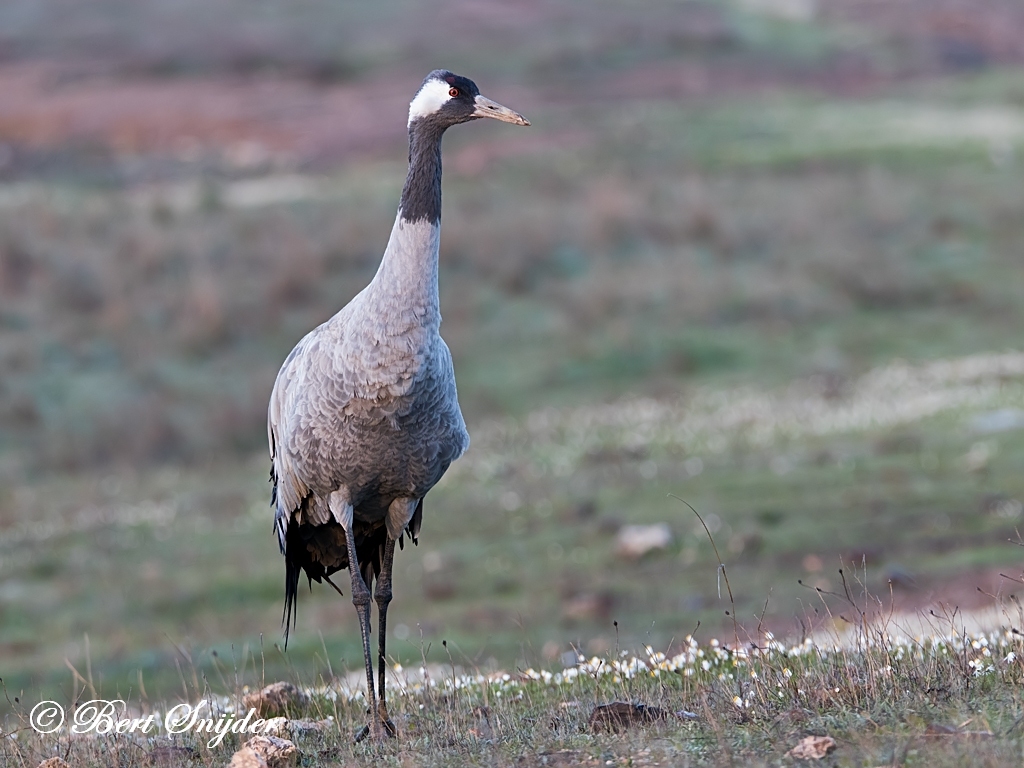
[(343, 513), (382, 595), (361, 600)]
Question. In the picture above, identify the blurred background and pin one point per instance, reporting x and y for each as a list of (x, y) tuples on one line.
[(765, 255)]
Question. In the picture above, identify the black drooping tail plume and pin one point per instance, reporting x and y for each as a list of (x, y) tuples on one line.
[(321, 551), (291, 593)]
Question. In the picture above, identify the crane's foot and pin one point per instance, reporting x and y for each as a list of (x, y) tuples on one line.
[(387, 730)]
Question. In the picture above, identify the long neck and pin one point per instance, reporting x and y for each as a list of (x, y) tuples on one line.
[(407, 278), (421, 196)]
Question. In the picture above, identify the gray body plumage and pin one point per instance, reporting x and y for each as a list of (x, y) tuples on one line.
[(366, 403)]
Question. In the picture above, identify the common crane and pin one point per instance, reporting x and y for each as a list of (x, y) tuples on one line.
[(364, 417)]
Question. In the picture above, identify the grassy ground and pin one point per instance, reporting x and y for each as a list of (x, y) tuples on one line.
[(949, 700), (517, 562)]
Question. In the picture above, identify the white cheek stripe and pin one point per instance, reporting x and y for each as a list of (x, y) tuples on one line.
[(432, 96)]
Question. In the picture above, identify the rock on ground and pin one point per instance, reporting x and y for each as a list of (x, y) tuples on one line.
[(283, 727), (634, 541), (623, 714), (276, 700), (266, 752), (247, 758), (812, 748)]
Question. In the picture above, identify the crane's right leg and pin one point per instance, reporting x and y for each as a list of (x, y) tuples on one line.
[(400, 512), (343, 513), (382, 594)]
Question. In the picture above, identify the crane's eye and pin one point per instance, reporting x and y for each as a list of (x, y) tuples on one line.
[(453, 92)]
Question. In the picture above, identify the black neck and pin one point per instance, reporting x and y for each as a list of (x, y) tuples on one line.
[(421, 196)]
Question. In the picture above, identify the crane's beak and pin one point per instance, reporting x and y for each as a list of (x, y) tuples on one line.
[(487, 108)]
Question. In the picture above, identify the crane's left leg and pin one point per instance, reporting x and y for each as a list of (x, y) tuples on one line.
[(343, 513), (382, 595)]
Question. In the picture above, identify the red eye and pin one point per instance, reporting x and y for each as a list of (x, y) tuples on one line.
[(453, 92)]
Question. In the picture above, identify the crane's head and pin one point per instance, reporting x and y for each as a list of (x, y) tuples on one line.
[(446, 99)]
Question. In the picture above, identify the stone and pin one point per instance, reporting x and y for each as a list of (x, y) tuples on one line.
[(634, 541), (278, 699), (266, 752), (283, 727), (623, 714), (247, 758), (812, 748)]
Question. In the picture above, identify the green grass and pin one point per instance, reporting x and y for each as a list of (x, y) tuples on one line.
[(140, 591), (628, 280), (887, 699), (517, 559)]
